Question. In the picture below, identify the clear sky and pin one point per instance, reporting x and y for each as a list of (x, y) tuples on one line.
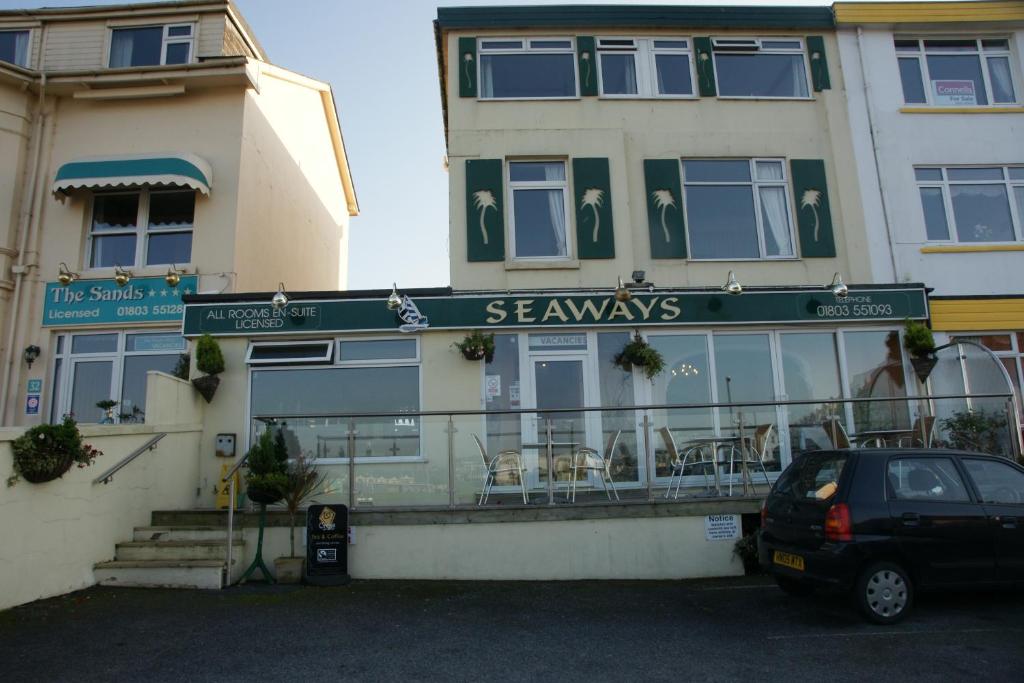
[(379, 57)]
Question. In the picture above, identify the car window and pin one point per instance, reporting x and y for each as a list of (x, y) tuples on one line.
[(997, 482), (933, 479), (812, 477)]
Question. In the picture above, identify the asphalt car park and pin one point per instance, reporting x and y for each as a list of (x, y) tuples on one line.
[(725, 629)]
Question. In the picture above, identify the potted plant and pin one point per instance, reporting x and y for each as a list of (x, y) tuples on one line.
[(46, 452), (267, 475), (108, 407), (919, 342), (210, 361), (641, 354), (302, 482), (477, 346)]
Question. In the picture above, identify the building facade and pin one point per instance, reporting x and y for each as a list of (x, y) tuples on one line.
[(149, 152), (937, 115)]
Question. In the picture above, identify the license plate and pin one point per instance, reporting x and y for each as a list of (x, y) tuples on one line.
[(788, 560)]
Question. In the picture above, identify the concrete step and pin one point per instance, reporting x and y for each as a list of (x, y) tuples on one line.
[(183, 533), (207, 574), (172, 551)]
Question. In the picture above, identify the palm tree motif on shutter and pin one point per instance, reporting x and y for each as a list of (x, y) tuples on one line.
[(662, 200), (467, 64), (594, 198), (703, 64), (483, 200), (812, 198), (585, 61)]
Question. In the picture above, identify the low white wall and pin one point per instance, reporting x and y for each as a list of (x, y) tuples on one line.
[(634, 548), (52, 534)]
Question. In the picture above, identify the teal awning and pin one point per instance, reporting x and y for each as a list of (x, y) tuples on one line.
[(185, 170)]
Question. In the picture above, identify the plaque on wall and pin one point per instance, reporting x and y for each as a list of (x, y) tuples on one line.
[(327, 545)]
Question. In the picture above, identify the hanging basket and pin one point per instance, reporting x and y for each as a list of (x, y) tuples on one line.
[(923, 366), (477, 353), (206, 386), (41, 476)]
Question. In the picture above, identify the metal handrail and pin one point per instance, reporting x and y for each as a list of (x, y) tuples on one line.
[(150, 445), (230, 479)]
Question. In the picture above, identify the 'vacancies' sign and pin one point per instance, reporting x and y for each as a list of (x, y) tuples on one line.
[(570, 310)]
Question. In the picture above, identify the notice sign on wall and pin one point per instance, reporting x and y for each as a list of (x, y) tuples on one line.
[(948, 93), (722, 527), (90, 302)]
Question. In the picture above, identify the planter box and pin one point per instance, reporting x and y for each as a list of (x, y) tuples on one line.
[(289, 569)]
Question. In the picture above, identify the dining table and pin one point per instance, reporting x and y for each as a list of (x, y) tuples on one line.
[(548, 446), (716, 442)]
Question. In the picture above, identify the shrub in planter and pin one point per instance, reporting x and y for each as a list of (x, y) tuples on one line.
[(746, 549), (209, 360), (46, 452), (477, 346), (302, 481), (641, 354), (919, 342), (267, 476)]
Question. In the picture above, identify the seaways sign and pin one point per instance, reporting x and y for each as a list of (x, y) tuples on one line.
[(99, 302), (571, 310)]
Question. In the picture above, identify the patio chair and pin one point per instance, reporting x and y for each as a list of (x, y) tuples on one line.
[(836, 432), (587, 459), (679, 464), (925, 425), (756, 454), (505, 462)]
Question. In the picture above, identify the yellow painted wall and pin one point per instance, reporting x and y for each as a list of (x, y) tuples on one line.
[(964, 315), (629, 131)]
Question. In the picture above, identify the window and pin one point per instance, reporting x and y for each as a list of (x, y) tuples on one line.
[(813, 477), (1008, 347), (95, 367), (996, 482), (760, 68), (644, 67), (261, 353), (160, 221), (14, 47), (151, 45), (977, 204), (539, 217), (956, 73), (737, 209), (532, 68), (311, 404), (934, 479)]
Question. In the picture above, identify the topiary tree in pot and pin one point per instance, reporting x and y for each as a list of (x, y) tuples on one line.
[(303, 482), (265, 483), (209, 360)]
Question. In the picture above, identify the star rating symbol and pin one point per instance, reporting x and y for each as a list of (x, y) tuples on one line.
[(188, 291), (174, 292), (163, 292), (152, 292)]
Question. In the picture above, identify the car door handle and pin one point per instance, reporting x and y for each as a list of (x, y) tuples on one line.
[(1007, 522), (911, 519)]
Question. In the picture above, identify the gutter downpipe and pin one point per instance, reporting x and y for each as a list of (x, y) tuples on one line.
[(28, 222), (874, 153)]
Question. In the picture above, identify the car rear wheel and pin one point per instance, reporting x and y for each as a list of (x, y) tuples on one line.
[(884, 593), (794, 587)]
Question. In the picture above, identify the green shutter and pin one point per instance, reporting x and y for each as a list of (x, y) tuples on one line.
[(664, 208), (593, 191), (467, 67), (485, 210), (705, 67), (587, 58), (819, 64), (814, 219)]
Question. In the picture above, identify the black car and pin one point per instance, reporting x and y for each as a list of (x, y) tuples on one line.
[(887, 522)]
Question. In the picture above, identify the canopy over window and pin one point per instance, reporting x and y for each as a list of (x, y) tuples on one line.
[(174, 169)]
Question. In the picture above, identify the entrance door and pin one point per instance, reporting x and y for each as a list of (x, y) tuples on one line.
[(559, 382)]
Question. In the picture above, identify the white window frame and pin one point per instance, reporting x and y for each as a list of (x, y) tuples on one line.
[(512, 186), (755, 185), (921, 55), (297, 360), (644, 57), (166, 40), (117, 358), (947, 200), (740, 45), (28, 45), (141, 230), (526, 46)]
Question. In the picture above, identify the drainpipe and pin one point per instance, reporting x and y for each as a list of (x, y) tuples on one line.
[(29, 220), (874, 153)]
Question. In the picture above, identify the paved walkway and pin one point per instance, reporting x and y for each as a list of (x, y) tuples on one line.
[(737, 629)]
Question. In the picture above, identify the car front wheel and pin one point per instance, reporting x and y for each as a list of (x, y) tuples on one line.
[(884, 593)]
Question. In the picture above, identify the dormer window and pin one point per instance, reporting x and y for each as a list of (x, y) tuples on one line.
[(14, 47), (760, 67), (151, 45)]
